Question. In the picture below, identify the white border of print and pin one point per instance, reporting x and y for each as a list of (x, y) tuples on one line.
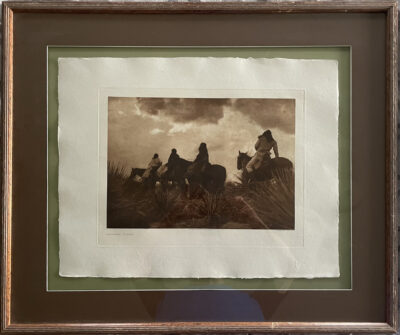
[(202, 237)]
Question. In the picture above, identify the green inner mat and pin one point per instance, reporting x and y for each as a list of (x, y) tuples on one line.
[(341, 54)]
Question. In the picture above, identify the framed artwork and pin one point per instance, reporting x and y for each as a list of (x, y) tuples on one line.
[(199, 167)]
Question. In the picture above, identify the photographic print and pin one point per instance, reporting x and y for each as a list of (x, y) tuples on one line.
[(222, 163), (194, 167)]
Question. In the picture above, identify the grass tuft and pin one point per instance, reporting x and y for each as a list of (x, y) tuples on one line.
[(242, 205)]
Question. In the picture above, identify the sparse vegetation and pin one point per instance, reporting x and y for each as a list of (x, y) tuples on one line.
[(259, 205)]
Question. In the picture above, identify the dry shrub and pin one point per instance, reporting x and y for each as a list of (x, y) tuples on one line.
[(273, 201), (165, 199), (202, 211), (257, 205), (129, 205)]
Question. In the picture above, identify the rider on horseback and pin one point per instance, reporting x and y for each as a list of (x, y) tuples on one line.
[(210, 177), (154, 164), (172, 158), (201, 163), (263, 147), (170, 166)]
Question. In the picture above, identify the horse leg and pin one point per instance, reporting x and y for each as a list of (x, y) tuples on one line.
[(182, 186), (187, 188)]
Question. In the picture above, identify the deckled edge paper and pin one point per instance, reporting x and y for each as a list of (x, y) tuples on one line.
[(81, 151)]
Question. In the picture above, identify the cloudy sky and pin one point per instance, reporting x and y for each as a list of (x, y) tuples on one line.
[(140, 127)]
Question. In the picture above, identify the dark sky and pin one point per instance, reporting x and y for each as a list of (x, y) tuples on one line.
[(140, 127)]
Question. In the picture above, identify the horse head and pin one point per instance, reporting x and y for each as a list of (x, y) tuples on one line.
[(136, 172), (242, 159), (133, 172)]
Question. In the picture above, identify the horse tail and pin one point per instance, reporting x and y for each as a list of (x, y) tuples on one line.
[(223, 174), (219, 176)]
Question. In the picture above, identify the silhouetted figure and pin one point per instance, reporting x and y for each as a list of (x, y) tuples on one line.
[(263, 147), (201, 163), (173, 158), (202, 173)]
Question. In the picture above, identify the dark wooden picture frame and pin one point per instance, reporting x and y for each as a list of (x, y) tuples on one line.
[(389, 8)]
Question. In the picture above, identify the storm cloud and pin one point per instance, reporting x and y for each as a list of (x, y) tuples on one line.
[(179, 110), (269, 113), (140, 127)]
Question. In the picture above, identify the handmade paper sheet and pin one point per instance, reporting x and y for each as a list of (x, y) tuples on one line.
[(92, 96)]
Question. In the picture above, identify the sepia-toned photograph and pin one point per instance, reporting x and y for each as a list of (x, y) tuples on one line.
[(208, 163)]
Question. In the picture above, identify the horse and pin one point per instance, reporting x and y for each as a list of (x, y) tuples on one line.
[(176, 172), (137, 173), (266, 171), (212, 179)]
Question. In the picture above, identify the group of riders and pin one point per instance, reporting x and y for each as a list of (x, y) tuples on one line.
[(265, 143), (199, 165)]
